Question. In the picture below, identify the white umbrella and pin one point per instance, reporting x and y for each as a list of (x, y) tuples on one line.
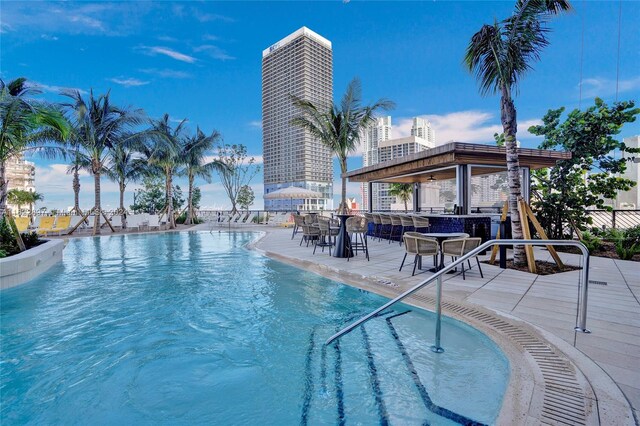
[(292, 192)]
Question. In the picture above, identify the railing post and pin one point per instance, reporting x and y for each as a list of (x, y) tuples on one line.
[(437, 348), (613, 219)]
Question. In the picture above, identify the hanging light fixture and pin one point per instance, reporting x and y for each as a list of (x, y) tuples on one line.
[(431, 179)]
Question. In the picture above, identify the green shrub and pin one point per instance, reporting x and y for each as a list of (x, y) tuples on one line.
[(3, 253), (592, 242), (8, 243), (633, 234), (625, 246)]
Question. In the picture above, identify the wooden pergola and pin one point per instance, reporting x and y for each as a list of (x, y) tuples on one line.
[(455, 160)]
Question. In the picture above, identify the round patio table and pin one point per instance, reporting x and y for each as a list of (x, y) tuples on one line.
[(440, 237)]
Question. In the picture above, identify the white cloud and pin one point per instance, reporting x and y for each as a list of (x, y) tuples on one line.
[(256, 124), (214, 51), (154, 50), (211, 17), (55, 89), (604, 87), (128, 82), (49, 37), (210, 37), (463, 126), (165, 73)]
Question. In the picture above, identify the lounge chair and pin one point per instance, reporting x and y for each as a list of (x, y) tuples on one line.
[(22, 223), (136, 221), (154, 221), (36, 222), (45, 225)]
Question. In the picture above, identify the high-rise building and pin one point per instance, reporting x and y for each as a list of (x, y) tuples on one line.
[(300, 64), (20, 174), (422, 129), (377, 132), (378, 146)]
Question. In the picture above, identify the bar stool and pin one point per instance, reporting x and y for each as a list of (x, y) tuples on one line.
[(377, 225), (396, 223), (407, 225), (327, 235), (357, 226), (385, 226), (420, 223), (369, 218)]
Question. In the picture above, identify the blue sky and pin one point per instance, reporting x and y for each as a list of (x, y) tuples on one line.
[(202, 61)]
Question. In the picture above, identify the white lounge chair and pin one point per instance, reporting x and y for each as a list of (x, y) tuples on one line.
[(154, 221)]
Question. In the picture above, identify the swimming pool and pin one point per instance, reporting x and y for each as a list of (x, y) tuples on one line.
[(192, 328)]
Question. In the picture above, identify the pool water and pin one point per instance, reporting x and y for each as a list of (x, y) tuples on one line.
[(193, 328)]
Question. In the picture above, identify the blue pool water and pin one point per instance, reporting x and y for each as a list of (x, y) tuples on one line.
[(192, 328)]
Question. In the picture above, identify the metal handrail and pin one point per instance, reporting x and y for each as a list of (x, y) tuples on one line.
[(582, 295)]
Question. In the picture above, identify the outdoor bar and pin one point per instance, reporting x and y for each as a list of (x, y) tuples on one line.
[(460, 187)]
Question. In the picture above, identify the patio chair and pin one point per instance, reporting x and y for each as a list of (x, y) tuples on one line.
[(357, 226), (396, 225), (310, 233), (328, 232), (419, 245), (298, 221), (154, 221), (369, 218), (458, 247), (420, 224)]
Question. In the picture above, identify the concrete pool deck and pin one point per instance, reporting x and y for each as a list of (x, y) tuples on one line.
[(546, 302)]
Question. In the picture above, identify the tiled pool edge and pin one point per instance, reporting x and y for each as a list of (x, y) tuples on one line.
[(23, 267), (527, 399)]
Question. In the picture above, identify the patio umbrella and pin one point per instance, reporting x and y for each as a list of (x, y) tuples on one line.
[(292, 192)]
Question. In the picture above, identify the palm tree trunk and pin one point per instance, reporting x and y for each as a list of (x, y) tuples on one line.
[(343, 204), (76, 191), (189, 219), (510, 128), (3, 189), (97, 208), (170, 219), (123, 216)]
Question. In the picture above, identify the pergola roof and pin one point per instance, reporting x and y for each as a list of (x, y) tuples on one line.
[(423, 165)]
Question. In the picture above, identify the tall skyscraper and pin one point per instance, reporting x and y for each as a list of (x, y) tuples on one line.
[(300, 64)]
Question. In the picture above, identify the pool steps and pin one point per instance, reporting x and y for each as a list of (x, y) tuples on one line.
[(332, 376)]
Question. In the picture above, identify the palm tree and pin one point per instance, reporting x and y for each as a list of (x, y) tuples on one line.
[(339, 126), (26, 124), (194, 150), (165, 155), (101, 127), (18, 197), (402, 192), (123, 168), (499, 55), (34, 197)]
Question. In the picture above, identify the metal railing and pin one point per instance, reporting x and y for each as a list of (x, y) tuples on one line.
[(617, 219), (581, 313)]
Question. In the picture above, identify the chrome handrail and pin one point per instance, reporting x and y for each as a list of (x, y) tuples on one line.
[(582, 295)]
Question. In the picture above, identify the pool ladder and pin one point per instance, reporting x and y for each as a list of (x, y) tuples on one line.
[(581, 314)]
